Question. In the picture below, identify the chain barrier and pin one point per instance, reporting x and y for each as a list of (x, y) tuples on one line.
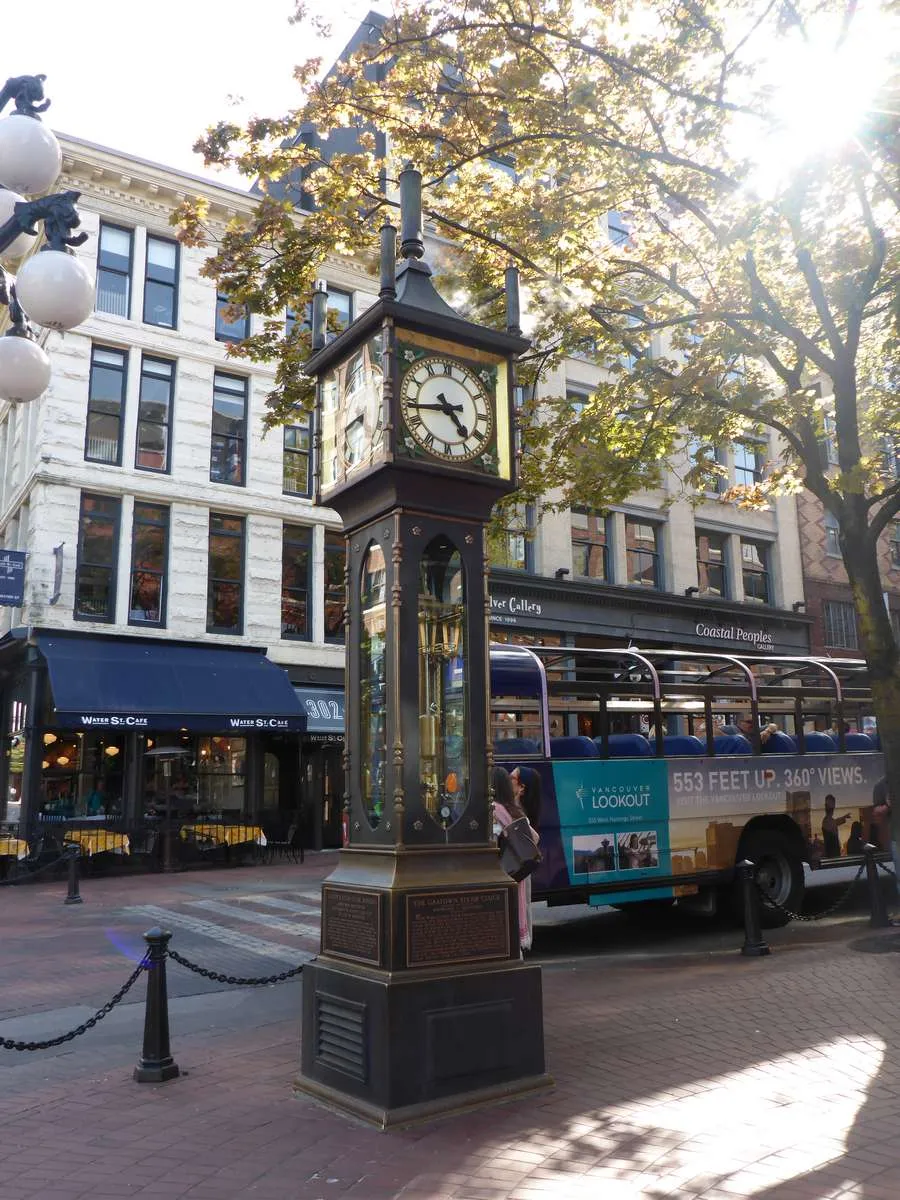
[(64, 857), (235, 980), (887, 870), (768, 902), (12, 1044)]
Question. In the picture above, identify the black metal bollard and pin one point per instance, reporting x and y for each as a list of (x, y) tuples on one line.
[(754, 946), (73, 896), (156, 1063), (879, 918)]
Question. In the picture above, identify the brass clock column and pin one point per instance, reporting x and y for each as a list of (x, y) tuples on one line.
[(419, 1003)]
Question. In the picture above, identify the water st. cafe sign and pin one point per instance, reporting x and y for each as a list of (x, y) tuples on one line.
[(12, 578)]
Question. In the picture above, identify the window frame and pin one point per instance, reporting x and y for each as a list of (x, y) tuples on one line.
[(700, 532), (330, 334), (95, 346), (169, 425), (655, 554), (287, 528), (832, 529), (160, 623), (112, 566), (765, 573), (241, 439), (341, 638), (175, 287), (223, 301), (592, 543), (835, 613), (128, 275), (759, 450), (242, 571), (294, 452)]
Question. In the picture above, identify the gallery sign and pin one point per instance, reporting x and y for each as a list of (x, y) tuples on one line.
[(12, 577), (759, 639), (506, 610)]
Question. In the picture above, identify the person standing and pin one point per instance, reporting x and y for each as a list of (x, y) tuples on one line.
[(508, 808)]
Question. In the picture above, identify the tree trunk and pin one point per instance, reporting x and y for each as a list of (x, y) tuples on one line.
[(879, 648)]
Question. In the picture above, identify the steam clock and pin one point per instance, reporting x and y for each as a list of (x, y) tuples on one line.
[(418, 1003)]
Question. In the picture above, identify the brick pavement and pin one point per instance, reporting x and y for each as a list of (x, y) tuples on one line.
[(687, 1076)]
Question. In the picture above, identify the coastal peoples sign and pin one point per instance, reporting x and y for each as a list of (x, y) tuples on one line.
[(759, 639)]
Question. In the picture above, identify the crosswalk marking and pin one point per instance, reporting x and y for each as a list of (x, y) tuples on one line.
[(220, 933), (303, 910), (239, 913)]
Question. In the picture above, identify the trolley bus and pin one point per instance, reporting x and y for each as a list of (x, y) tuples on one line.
[(662, 769)]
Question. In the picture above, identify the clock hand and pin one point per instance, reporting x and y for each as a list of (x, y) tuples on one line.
[(451, 411), (444, 408)]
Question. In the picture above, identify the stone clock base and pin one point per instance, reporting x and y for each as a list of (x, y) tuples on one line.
[(398, 1049)]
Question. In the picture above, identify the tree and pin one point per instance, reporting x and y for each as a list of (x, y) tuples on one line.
[(744, 156)]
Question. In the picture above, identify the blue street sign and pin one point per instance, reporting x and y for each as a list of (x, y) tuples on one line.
[(12, 577)]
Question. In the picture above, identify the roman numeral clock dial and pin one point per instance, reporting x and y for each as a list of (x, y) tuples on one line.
[(447, 409)]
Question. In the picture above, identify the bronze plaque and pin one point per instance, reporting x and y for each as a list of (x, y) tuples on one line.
[(456, 927), (351, 924)]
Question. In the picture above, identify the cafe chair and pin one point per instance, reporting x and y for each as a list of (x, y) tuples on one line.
[(288, 846)]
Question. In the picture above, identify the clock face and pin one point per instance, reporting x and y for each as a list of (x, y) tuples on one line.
[(446, 408)]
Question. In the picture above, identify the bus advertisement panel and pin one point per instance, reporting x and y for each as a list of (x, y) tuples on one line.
[(626, 820)]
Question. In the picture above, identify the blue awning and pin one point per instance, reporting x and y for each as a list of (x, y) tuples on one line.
[(324, 709), (116, 683)]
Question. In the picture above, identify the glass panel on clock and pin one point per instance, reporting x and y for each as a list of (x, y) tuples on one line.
[(372, 699), (443, 683)]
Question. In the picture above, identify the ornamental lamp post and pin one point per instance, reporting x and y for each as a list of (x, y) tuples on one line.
[(52, 288)]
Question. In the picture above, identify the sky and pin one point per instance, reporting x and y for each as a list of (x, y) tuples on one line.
[(148, 77)]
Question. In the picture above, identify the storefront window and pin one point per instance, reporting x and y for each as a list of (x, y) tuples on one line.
[(82, 774), (185, 774)]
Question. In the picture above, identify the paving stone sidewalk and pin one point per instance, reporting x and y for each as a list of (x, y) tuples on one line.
[(706, 1076)]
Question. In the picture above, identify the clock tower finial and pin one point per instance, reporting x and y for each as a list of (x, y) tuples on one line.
[(412, 244)]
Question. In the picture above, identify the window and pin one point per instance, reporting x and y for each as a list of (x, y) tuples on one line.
[(114, 271), (232, 320), (339, 312), (229, 429), (839, 619), (832, 535), (296, 474), (578, 397), (590, 545), (711, 563), (296, 561), (513, 547), (149, 558), (106, 405), (642, 553), (895, 544), (334, 587), (617, 228), (161, 283), (749, 462), (829, 444), (98, 545), (225, 579), (755, 571), (154, 414)]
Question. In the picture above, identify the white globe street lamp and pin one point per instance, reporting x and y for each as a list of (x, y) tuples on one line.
[(52, 288)]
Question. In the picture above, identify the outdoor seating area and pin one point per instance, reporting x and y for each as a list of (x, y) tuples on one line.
[(108, 844)]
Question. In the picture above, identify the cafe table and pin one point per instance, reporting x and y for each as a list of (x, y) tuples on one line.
[(13, 847), (224, 835), (99, 841)]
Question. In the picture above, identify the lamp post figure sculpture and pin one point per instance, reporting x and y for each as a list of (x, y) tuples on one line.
[(52, 287)]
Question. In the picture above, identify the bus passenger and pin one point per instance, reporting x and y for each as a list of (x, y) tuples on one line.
[(745, 726)]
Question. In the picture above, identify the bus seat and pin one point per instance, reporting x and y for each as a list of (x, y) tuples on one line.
[(858, 741), (573, 747), (680, 745), (626, 745), (819, 742), (732, 743), (515, 747), (779, 743)]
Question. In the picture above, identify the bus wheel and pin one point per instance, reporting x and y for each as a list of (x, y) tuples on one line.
[(779, 875)]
